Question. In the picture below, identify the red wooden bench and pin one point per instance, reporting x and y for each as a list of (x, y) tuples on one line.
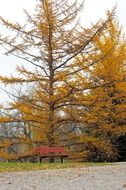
[(50, 152)]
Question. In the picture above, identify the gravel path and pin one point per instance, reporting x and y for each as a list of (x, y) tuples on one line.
[(88, 178)]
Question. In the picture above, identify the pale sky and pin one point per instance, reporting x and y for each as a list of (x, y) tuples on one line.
[(93, 10)]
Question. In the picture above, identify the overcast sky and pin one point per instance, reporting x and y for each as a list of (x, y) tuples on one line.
[(93, 10)]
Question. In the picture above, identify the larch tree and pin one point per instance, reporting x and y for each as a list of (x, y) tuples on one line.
[(51, 41), (105, 114)]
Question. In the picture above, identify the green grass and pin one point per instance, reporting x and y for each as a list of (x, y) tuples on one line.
[(14, 167)]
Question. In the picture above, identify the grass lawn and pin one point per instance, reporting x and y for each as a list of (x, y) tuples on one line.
[(13, 166)]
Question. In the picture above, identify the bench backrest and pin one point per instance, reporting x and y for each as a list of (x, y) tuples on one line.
[(42, 150)]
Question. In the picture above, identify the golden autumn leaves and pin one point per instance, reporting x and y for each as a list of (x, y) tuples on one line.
[(77, 79)]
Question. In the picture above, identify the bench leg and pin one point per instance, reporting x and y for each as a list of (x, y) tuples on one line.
[(40, 160), (61, 159)]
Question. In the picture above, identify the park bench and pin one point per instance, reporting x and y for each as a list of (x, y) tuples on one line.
[(50, 152)]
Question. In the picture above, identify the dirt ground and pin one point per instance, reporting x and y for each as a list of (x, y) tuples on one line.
[(86, 178)]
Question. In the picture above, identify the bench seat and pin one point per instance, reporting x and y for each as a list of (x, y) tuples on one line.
[(50, 152)]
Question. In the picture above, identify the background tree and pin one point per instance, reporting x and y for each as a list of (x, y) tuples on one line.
[(105, 113)]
